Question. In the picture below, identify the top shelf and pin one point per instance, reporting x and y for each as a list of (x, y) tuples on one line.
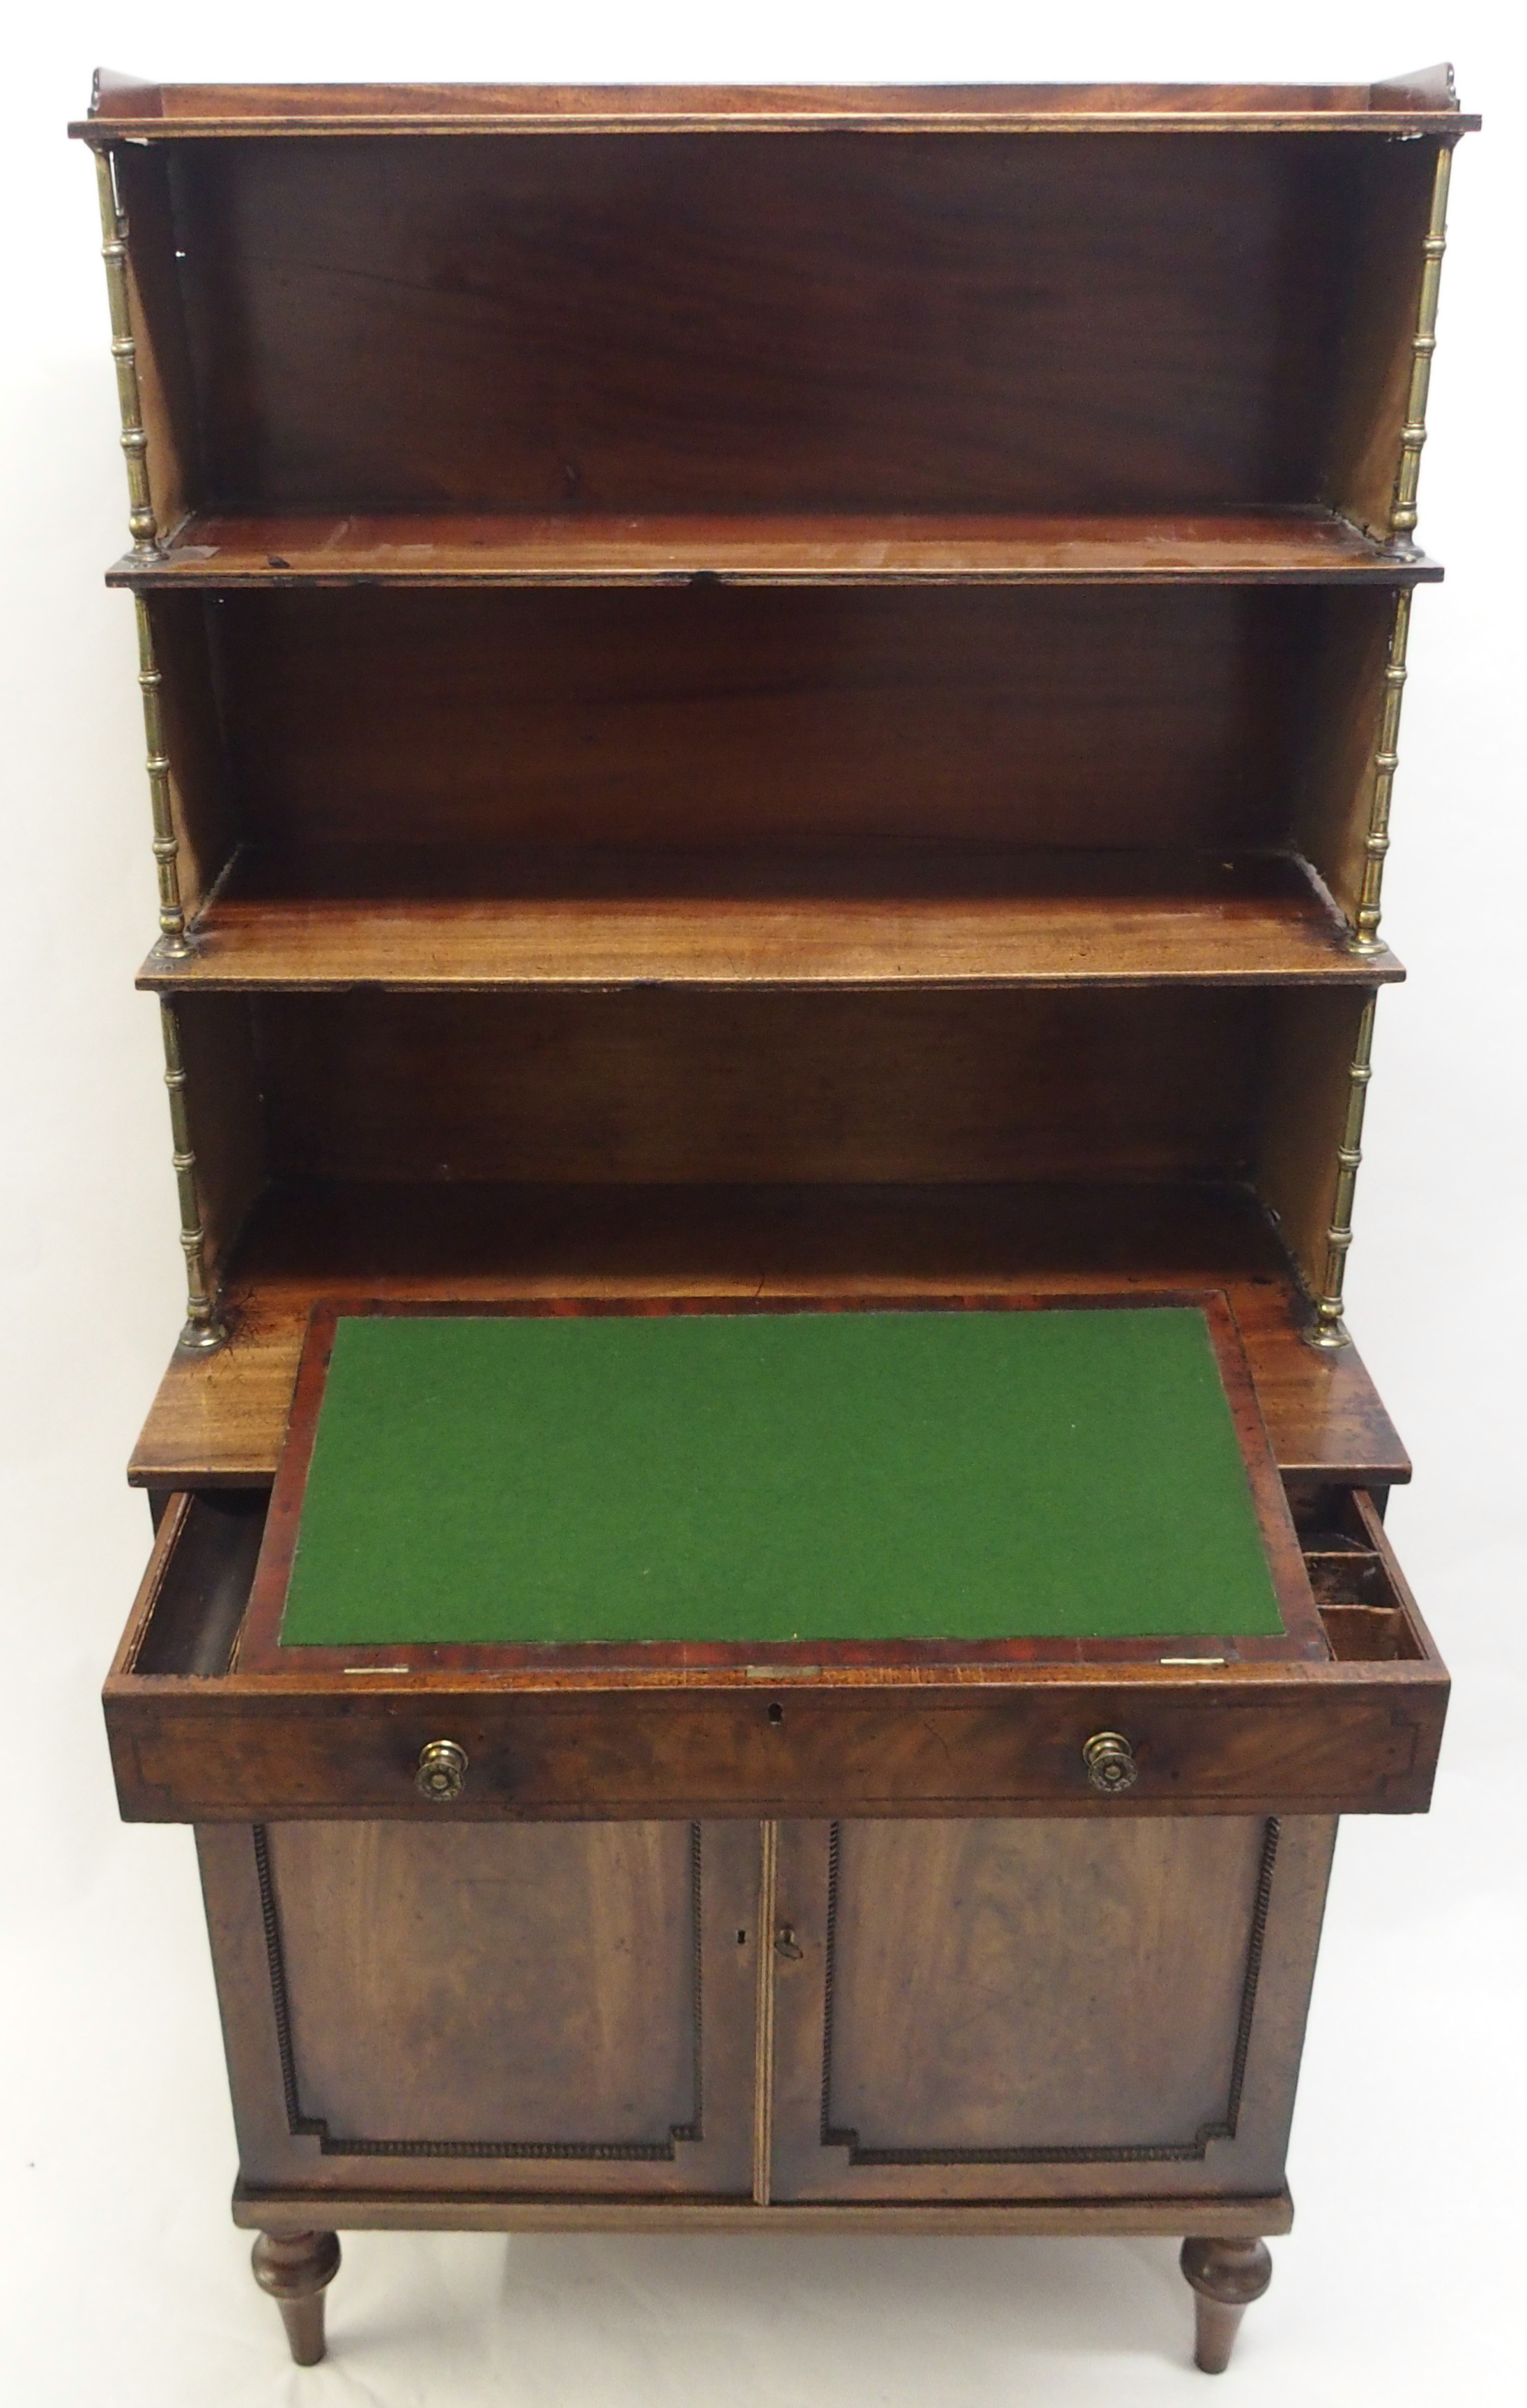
[(1269, 547), (1424, 101)]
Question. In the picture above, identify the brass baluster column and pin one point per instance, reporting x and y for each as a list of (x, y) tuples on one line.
[(134, 441), (1328, 1329), (1386, 761), (203, 1331), (1413, 434), (173, 941)]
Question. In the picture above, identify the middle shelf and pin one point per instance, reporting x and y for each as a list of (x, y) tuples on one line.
[(324, 918), (1309, 545)]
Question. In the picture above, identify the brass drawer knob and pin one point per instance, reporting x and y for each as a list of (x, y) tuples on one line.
[(1110, 1763), (442, 1772)]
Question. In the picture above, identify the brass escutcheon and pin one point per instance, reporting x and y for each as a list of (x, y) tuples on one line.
[(1110, 1763), (442, 1772)]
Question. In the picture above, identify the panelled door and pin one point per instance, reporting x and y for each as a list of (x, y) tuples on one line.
[(1021, 2009), (860, 2010), (563, 2007)]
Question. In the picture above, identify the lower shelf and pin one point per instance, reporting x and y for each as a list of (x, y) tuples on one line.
[(219, 1419)]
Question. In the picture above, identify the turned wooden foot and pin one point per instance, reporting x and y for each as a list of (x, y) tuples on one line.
[(1226, 2277), (293, 2269)]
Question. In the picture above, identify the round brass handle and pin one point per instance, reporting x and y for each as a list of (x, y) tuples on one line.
[(1110, 1763), (442, 1772)]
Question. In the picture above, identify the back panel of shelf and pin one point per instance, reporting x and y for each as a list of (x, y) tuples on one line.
[(1242, 1089), (409, 746), (1135, 323)]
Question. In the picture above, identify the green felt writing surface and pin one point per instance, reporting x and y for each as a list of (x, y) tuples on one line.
[(757, 1477)]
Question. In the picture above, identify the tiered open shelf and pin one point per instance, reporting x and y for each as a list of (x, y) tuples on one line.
[(1294, 546), (722, 659), (878, 917)]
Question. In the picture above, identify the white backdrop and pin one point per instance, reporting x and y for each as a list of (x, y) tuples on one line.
[(126, 2281)]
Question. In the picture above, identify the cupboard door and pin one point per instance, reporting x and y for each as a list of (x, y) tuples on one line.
[(562, 2008), (1025, 2009)]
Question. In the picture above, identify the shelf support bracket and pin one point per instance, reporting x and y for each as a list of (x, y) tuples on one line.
[(1386, 761), (1402, 516), (203, 1331), (1328, 1330)]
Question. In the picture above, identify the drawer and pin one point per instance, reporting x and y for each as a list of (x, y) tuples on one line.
[(194, 1738)]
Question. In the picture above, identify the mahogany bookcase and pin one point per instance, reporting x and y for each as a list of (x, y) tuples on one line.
[(769, 697)]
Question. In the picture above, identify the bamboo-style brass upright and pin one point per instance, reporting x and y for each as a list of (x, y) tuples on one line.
[(1328, 1329), (1413, 433), (134, 441), (172, 917), (144, 531), (1386, 761), (203, 1331)]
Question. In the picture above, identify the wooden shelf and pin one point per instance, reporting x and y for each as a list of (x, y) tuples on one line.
[(1413, 103), (1297, 546), (882, 917), (219, 1419)]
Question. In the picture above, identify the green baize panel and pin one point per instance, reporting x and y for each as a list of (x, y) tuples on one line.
[(771, 1476)]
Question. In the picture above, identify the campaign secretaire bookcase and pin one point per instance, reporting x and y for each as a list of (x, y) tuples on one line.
[(769, 697)]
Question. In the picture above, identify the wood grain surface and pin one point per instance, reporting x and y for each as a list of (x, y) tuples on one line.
[(556, 2010), (226, 551), (439, 2209), (883, 1734), (859, 745), (150, 110), (943, 323), (982, 2011), (221, 1418), (709, 718), (571, 921)]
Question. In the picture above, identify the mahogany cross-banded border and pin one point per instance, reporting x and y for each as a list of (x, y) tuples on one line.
[(847, 1661)]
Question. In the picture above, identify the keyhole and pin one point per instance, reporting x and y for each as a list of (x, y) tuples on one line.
[(742, 1940), (776, 1712)]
